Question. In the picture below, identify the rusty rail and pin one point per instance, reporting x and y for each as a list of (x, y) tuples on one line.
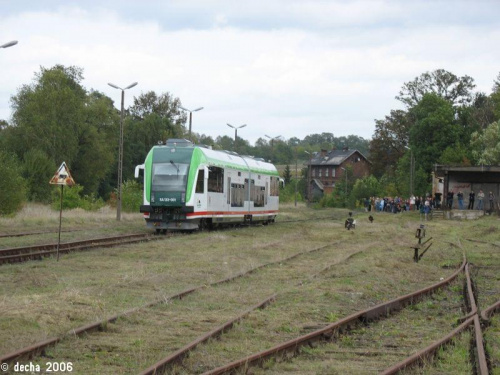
[(24, 234), (161, 366), (471, 318), (483, 242), (490, 310), (333, 329), (21, 254), (35, 349), (427, 352)]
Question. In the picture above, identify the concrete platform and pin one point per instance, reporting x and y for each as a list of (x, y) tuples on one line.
[(464, 214)]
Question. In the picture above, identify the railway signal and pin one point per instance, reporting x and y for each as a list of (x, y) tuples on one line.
[(63, 178)]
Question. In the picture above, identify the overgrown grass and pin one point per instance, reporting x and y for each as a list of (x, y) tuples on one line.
[(47, 298)]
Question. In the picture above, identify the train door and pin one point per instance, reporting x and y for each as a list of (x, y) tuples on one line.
[(200, 193), (228, 192)]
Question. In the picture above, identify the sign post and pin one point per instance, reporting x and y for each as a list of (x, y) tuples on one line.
[(61, 177)]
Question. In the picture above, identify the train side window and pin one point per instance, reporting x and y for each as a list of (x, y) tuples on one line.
[(200, 183), (215, 180)]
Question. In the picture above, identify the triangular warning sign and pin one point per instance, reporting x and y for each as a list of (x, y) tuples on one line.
[(62, 176)]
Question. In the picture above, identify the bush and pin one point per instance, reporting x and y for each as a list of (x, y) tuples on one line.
[(72, 199), (12, 185), (37, 171), (132, 196), (287, 194)]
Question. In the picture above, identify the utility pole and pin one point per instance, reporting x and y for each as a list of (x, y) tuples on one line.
[(120, 152)]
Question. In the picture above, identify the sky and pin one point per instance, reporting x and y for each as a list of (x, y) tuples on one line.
[(285, 68)]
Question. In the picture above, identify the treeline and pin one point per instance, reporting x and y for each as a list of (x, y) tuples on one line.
[(444, 122), (55, 118)]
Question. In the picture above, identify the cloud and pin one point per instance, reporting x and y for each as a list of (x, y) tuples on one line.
[(319, 66)]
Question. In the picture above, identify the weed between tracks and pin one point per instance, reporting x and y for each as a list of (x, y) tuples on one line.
[(42, 299)]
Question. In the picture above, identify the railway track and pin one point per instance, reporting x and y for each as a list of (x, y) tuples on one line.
[(125, 319), (24, 234), (34, 350), (37, 252)]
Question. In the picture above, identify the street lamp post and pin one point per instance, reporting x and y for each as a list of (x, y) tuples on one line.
[(120, 152), (191, 117), (272, 142), (309, 176), (296, 174), (9, 44), (236, 133)]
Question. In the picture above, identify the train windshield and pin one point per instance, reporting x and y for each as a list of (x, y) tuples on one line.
[(170, 176)]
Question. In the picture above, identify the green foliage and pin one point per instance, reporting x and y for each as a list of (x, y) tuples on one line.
[(446, 85), (287, 174), (457, 154), (287, 194), (12, 185), (434, 130), (73, 198), (38, 169), (365, 188), (486, 145), (389, 142), (57, 116), (132, 196)]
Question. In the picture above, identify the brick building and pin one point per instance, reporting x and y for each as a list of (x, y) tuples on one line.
[(325, 169)]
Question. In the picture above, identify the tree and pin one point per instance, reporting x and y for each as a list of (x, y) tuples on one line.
[(154, 118), (486, 145), (433, 131), (389, 142), (37, 169), (287, 175), (12, 191), (365, 188), (496, 84), (57, 116), (457, 90), (49, 113)]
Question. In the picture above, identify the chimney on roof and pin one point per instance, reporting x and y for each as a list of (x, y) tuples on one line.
[(323, 153), (345, 148)]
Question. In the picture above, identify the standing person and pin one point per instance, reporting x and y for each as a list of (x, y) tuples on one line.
[(491, 198), (449, 199), (417, 202), (460, 197), (472, 196), (480, 197), (427, 208)]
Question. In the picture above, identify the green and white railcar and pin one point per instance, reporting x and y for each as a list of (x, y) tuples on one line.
[(188, 187)]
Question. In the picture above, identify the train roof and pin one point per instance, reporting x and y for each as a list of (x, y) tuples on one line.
[(233, 160), (219, 158)]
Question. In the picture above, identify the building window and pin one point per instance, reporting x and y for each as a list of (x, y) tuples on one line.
[(326, 172), (320, 169), (333, 172)]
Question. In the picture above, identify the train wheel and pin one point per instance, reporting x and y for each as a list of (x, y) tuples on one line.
[(203, 226)]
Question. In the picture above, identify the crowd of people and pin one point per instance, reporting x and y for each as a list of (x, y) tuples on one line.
[(428, 203), (399, 204), (481, 204)]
